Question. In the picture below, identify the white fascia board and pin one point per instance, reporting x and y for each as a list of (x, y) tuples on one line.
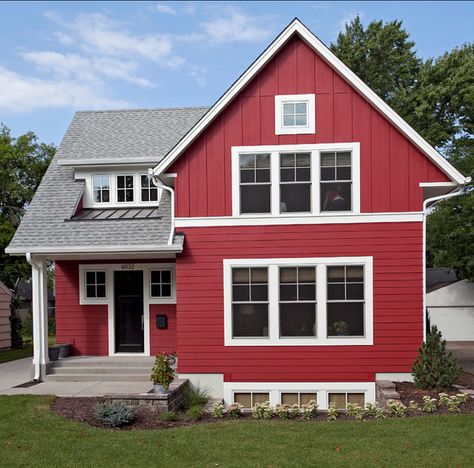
[(106, 162), (438, 184), (297, 27), (95, 249)]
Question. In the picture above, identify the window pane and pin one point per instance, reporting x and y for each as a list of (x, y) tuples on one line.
[(90, 277), (303, 160), (129, 181), (120, 196), (129, 195), (166, 276), (262, 161), (355, 273), (247, 176), (145, 195), (345, 318), (241, 293), (335, 274), (101, 290), (255, 198), (288, 275), (336, 291), (297, 319), (288, 108), (336, 196), (156, 276), (303, 174), (354, 291), (358, 398), (245, 399), (100, 277), (96, 182), (307, 292), (105, 196), (288, 292), (166, 290), (249, 320), (258, 275), (343, 158), (155, 290), (343, 173), (305, 398), (300, 107), (307, 274), (288, 120), (262, 175), (289, 399), (287, 160), (328, 159), (154, 194), (259, 293), (260, 398), (301, 119), (295, 198), (339, 399), (328, 173), (120, 181), (240, 275), (287, 175), (90, 291), (247, 161)]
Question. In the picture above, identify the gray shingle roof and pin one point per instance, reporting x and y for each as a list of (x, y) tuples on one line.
[(107, 135)]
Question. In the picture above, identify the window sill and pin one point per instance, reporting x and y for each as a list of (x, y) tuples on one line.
[(345, 341)]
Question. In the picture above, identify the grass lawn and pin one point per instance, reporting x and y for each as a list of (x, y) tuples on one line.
[(30, 434), (13, 354)]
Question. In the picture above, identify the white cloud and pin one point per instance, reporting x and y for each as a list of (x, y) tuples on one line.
[(166, 9), (27, 94), (63, 38), (347, 18), (236, 26)]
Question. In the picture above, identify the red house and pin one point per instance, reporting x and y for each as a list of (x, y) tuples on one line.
[(274, 240)]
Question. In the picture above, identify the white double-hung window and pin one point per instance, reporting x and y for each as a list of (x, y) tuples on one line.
[(296, 180), (303, 301)]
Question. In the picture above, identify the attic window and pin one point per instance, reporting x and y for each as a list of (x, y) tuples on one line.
[(294, 114)]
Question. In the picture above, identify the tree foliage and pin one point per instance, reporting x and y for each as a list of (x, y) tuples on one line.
[(23, 162), (436, 97)]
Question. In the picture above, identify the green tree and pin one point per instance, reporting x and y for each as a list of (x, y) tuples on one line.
[(23, 162)]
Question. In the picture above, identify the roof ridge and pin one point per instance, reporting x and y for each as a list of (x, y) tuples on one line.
[(142, 109)]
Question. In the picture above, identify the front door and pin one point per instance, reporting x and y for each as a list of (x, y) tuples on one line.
[(128, 297)]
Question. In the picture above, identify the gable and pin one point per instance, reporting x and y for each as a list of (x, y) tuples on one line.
[(296, 28)]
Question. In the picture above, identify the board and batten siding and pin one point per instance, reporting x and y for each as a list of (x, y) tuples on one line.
[(391, 166), (397, 289), (5, 332)]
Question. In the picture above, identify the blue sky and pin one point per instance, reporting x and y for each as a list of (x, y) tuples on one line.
[(58, 57)]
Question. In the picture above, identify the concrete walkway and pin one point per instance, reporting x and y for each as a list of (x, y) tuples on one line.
[(18, 372)]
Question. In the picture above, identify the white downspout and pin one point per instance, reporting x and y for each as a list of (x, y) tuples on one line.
[(433, 200), (160, 185), (36, 323)]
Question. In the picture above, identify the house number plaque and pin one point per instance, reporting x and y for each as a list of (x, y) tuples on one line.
[(127, 266)]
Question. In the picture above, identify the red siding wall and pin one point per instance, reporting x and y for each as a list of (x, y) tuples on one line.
[(163, 341), (391, 166), (398, 327), (84, 326)]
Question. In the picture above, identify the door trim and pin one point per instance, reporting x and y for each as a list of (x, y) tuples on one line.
[(147, 300)]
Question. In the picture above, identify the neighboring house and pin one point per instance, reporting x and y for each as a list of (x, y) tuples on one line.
[(5, 331), (450, 304), (281, 254), (24, 295)]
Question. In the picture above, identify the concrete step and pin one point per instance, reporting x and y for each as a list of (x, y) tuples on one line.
[(140, 363), (97, 378), (98, 370)]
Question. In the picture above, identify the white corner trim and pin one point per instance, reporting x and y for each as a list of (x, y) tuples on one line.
[(321, 293), (297, 27), (322, 389), (261, 220), (310, 128)]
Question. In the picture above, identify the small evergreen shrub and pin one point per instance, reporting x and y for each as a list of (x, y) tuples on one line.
[(309, 410), (429, 404), (435, 367), (396, 408), (354, 410), (332, 412), (262, 410), (195, 395), (235, 410), (168, 416), (218, 410), (195, 413), (114, 414)]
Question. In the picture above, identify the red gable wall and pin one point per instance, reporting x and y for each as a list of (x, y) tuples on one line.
[(391, 166)]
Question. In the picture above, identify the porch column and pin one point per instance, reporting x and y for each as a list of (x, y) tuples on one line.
[(39, 285)]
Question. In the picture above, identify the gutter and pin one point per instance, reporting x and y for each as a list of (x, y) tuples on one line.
[(37, 325), (157, 182), (433, 201)]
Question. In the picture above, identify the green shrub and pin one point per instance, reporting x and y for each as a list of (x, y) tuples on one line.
[(332, 412), (455, 401), (443, 399), (435, 367), (168, 416), (309, 410), (354, 410), (51, 326), (16, 331), (429, 404), (396, 408), (195, 395), (195, 413), (114, 414), (262, 410), (218, 410), (283, 411), (162, 372), (235, 410), (413, 405)]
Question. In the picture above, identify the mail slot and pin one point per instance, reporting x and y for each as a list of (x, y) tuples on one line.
[(161, 322)]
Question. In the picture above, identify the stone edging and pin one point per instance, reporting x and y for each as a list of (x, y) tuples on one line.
[(385, 390)]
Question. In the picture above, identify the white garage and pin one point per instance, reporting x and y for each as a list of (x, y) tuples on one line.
[(451, 309)]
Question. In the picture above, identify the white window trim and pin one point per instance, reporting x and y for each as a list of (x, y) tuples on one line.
[(321, 309), (315, 150), (322, 389), (281, 129), (109, 299), (113, 203)]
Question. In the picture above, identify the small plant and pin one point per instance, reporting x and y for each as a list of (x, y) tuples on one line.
[(168, 416), (443, 399), (195, 413), (114, 414), (295, 410), (162, 372), (262, 410), (283, 411), (435, 367), (413, 406), (354, 410), (396, 408), (429, 404), (194, 395), (455, 401), (218, 410), (309, 410), (332, 412), (235, 410)]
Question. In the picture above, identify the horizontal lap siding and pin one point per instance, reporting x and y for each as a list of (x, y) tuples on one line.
[(163, 340), (391, 166), (398, 318), (5, 312), (84, 326)]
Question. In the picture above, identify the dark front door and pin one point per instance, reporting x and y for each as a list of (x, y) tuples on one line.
[(128, 287)]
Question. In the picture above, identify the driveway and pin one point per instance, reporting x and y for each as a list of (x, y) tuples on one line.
[(15, 373), (464, 351)]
